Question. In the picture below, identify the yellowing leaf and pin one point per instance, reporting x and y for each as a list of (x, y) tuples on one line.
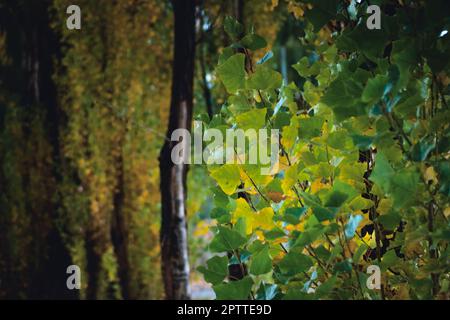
[(253, 119), (360, 203), (264, 219), (290, 178), (227, 177), (384, 206), (318, 185), (430, 175), (244, 211)]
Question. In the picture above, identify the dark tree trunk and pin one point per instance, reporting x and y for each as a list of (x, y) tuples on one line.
[(119, 234), (239, 10), (205, 86), (93, 258), (173, 236), (34, 48)]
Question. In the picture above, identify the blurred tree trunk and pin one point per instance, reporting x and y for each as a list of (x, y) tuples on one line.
[(239, 10), (173, 236), (203, 48), (33, 49)]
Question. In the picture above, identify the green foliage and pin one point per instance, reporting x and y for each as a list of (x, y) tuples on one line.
[(217, 269), (363, 176)]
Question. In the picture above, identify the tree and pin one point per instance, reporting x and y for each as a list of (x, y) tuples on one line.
[(173, 237)]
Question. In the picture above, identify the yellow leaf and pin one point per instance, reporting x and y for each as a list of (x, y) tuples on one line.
[(264, 219), (244, 211), (318, 185), (430, 175), (447, 212), (201, 229), (227, 177), (290, 178)]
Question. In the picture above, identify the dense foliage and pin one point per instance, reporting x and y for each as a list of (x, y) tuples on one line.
[(363, 176), (364, 171)]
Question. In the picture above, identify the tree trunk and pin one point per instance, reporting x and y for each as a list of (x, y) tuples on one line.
[(119, 233), (34, 49), (239, 10), (173, 236)]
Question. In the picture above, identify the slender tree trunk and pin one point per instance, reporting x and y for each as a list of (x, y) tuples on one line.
[(205, 86), (119, 233), (239, 10), (173, 236)]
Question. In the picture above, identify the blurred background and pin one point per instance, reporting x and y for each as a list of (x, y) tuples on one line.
[(83, 117)]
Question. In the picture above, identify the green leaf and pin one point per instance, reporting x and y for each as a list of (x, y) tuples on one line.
[(239, 104), (404, 186), (323, 213), (232, 73), (309, 236), (293, 215), (261, 262), (234, 290), (264, 78), (362, 142), (359, 253), (253, 119), (310, 127), (422, 149), (253, 42), (226, 53), (221, 215), (275, 233), (220, 198), (227, 177), (227, 240), (217, 269), (343, 96), (267, 291), (374, 89), (340, 193), (336, 198), (370, 42), (322, 12), (389, 259), (360, 203), (390, 221), (382, 173), (294, 263), (233, 28), (304, 69), (344, 266), (339, 140), (325, 288)]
